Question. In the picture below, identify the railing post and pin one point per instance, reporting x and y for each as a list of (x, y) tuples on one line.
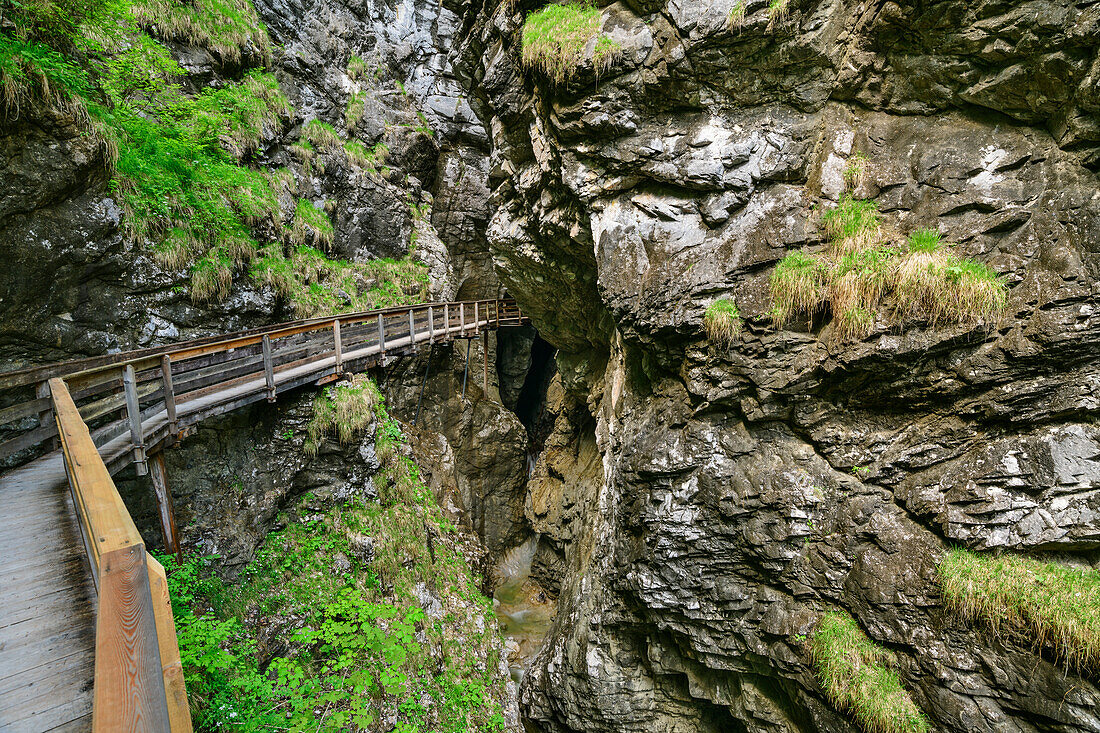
[(133, 411), (412, 329), (381, 335), (447, 321), (496, 311), (431, 325), (169, 394), (45, 417), (269, 369), (485, 362), (462, 319), (476, 325), (339, 346), (159, 474)]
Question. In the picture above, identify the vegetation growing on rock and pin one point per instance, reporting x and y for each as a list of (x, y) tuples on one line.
[(555, 38), (853, 672), (722, 321), (1049, 604), (181, 164), (860, 274), (360, 614)]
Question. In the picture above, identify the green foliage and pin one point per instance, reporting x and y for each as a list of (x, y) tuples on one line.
[(925, 241), (853, 672), (777, 11), (358, 648), (737, 14), (229, 28), (855, 169), (322, 136), (859, 272), (722, 322), (797, 286), (345, 410), (32, 73), (1044, 603), (369, 160), (310, 226), (852, 221), (357, 103), (554, 40)]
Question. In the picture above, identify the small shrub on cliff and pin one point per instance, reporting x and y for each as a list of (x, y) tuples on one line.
[(722, 322), (1048, 604), (855, 675), (554, 40)]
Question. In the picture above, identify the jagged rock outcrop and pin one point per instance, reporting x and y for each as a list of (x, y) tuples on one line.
[(739, 493)]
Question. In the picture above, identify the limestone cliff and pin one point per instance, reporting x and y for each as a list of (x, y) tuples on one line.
[(708, 504)]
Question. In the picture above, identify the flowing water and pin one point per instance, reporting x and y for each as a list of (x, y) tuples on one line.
[(522, 606)]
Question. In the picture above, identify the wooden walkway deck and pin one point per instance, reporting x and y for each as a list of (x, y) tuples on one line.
[(48, 600)]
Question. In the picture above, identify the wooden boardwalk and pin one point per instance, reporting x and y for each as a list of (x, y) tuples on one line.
[(136, 404)]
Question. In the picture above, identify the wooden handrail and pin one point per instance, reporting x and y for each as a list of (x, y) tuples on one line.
[(33, 375), (129, 382), (138, 680)]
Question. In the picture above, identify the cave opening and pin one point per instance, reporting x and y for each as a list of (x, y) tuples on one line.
[(531, 401)]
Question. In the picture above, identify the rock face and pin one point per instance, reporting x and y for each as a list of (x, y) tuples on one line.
[(701, 507)]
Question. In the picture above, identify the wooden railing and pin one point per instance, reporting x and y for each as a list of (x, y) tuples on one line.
[(111, 411), (138, 678), (137, 400)]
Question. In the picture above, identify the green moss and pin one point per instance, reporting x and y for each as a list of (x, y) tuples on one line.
[(554, 40), (722, 322), (1043, 603), (853, 672), (360, 646)]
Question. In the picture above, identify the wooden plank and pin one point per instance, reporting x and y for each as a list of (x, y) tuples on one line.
[(133, 413), (129, 682), (23, 410), (179, 713), (158, 473), (27, 440)]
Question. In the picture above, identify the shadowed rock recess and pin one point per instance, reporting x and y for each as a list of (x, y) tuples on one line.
[(695, 508)]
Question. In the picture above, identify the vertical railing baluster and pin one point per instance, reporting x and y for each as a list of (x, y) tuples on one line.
[(462, 319), (431, 325), (447, 321), (339, 346), (412, 328), (169, 394), (381, 335), (133, 411), (269, 369), (475, 317)]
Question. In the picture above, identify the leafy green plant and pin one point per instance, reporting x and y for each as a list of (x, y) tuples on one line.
[(722, 322), (1044, 603), (855, 674), (554, 40)]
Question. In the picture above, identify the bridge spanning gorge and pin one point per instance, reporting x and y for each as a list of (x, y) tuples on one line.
[(86, 632)]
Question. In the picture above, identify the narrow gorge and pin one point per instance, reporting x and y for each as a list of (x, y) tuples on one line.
[(800, 431)]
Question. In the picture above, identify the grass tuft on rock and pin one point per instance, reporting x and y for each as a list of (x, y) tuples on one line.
[(860, 274), (554, 40), (343, 410), (737, 15), (722, 322), (1048, 604), (229, 28), (797, 286), (855, 675), (311, 226)]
